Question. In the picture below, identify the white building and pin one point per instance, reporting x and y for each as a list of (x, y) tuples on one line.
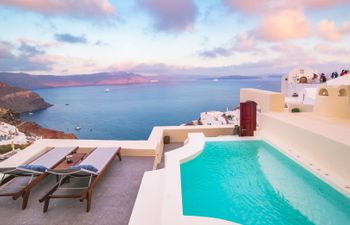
[(10, 135), (300, 86), (219, 118), (302, 75)]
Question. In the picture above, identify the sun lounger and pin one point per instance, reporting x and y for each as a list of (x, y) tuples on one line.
[(18, 181), (91, 169)]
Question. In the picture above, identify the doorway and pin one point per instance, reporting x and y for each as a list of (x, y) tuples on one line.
[(247, 118)]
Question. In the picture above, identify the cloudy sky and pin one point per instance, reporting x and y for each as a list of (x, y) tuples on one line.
[(213, 37)]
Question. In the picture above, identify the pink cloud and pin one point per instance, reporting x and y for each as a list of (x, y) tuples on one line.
[(73, 8), (243, 42), (285, 56), (293, 55), (330, 31), (24, 58), (326, 50), (5, 50), (246, 6), (283, 24), (43, 44), (312, 4), (216, 52), (173, 15), (43, 59), (147, 68), (321, 3), (262, 7)]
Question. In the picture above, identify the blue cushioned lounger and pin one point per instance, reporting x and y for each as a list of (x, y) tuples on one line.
[(92, 168), (35, 170)]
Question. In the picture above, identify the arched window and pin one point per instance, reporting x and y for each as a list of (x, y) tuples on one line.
[(342, 92), (303, 80), (323, 92)]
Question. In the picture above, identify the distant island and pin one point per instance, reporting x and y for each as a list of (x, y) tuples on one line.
[(275, 76), (30, 81), (232, 77), (25, 80), (237, 77)]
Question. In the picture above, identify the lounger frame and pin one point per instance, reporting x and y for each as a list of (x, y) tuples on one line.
[(25, 191), (86, 193)]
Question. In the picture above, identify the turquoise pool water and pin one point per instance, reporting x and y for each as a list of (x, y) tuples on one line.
[(250, 182)]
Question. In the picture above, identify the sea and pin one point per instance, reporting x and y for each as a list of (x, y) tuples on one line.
[(129, 112)]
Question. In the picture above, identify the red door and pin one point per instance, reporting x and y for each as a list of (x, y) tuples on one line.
[(247, 118)]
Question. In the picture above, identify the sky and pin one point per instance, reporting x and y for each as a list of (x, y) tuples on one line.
[(174, 37)]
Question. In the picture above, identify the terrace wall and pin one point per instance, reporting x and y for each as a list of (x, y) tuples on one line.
[(153, 147), (326, 154)]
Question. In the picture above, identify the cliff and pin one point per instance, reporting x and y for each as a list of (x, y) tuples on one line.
[(29, 81), (31, 128), (9, 116), (20, 100)]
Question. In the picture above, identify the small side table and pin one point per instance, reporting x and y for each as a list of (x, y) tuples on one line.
[(76, 158)]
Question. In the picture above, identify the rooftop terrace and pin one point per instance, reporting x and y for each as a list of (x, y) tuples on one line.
[(112, 203), (320, 144)]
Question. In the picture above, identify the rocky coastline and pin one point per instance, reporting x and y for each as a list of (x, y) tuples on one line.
[(20, 100), (14, 100), (33, 129), (30, 128)]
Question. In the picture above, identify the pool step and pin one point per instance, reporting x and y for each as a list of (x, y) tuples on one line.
[(148, 204)]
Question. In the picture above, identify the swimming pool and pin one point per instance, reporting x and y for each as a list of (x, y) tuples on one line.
[(251, 182)]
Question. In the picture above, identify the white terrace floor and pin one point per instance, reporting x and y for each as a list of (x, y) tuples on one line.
[(112, 202)]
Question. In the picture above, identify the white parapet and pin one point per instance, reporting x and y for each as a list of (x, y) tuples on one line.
[(148, 205), (153, 147), (172, 211), (161, 190)]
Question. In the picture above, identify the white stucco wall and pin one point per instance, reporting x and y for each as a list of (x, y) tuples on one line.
[(333, 101), (153, 147), (345, 80)]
